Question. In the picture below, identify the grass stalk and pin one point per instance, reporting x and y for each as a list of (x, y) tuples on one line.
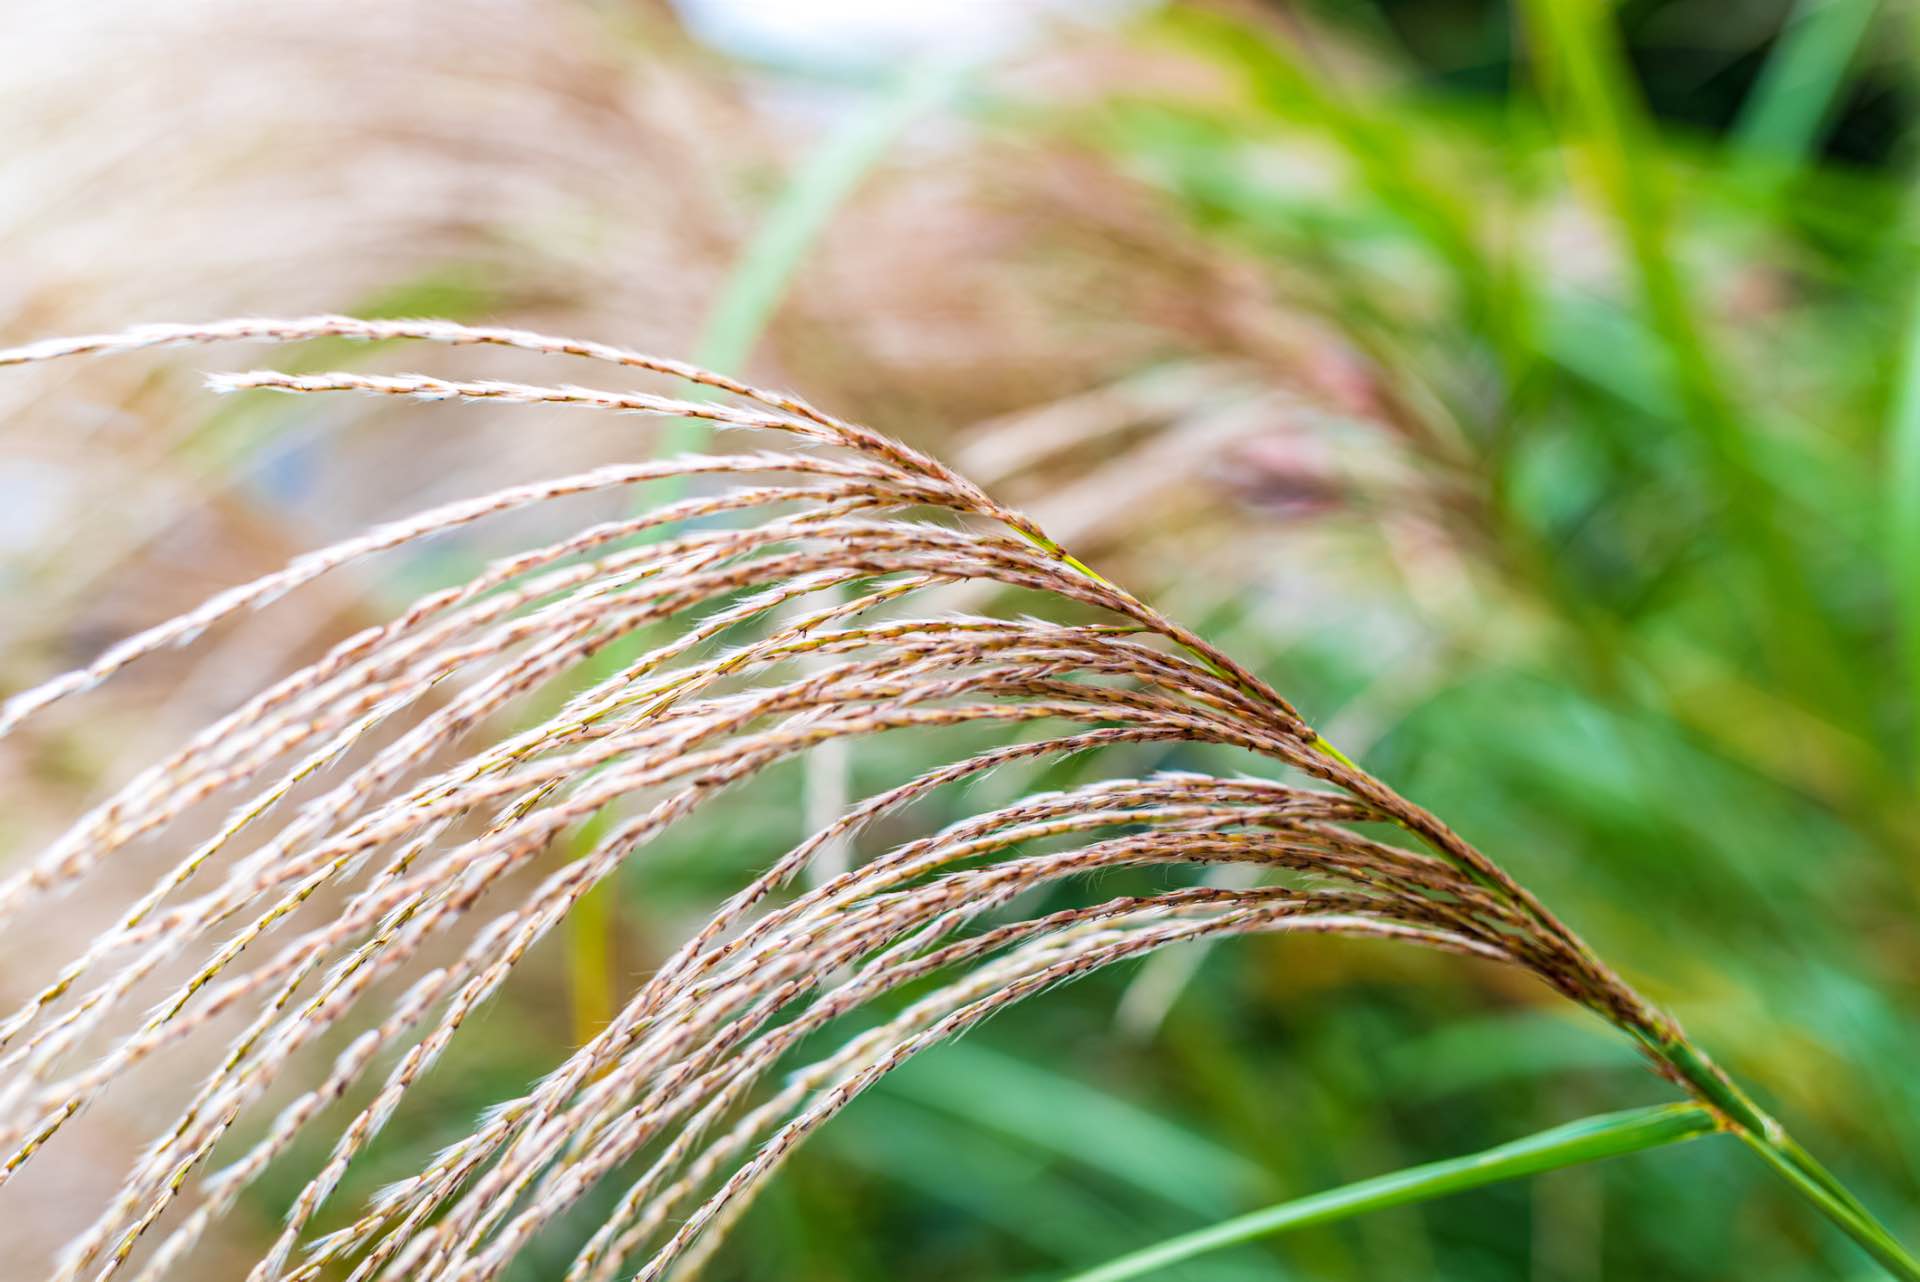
[(1788, 1159)]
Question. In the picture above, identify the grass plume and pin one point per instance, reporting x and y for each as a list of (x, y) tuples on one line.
[(785, 627)]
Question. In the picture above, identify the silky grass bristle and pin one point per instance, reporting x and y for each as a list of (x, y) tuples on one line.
[(420, 821)]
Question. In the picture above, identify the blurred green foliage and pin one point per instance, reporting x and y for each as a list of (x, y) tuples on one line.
[(1705, 748)]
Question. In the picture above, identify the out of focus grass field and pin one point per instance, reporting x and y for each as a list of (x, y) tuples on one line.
[(1531, 393)]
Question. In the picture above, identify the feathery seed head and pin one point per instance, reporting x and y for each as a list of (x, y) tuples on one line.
[(423, 828)]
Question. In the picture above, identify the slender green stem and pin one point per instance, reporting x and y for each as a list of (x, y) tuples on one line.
[(1323, 744), (1813, 1182), (1587, 1140), (1762, 1133), (1739, 1113)]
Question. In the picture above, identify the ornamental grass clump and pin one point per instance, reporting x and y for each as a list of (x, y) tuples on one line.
[(380, 835)]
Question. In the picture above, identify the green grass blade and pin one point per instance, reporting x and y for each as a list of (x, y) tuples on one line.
[(803, 211), (753, 290), (1587, 1140), (1381, 143), (1903, 517), (1584, 71), (1783, 117)]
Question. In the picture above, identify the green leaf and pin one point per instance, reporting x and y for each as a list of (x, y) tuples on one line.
[(1791, 103), (1587, 1140)]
